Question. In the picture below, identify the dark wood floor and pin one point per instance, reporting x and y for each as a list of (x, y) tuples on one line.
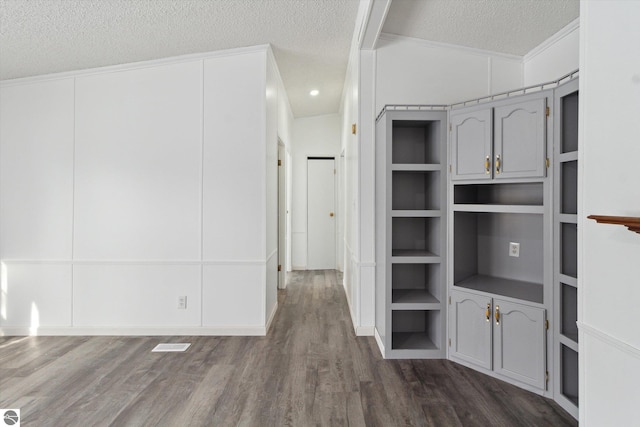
[(310, 370)]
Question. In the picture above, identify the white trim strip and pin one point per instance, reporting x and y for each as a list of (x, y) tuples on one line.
[(564, 32), (137, 65), (271, 255), (135, 262), (365, 331), (608, 339), (126, 331)]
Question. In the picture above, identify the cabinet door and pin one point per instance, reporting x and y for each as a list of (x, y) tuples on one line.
[(519, 346), (470, 330), (520, 137), (471, 135)]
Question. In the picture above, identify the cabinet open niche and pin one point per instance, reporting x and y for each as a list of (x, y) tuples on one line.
[(416, 286), (415, 237), (415, 330), (482, 260), (415, 142)]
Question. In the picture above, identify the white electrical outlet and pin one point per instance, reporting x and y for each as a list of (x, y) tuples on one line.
[(514, 249), (182, 302)]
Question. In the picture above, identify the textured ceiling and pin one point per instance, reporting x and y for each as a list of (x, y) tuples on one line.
[(310, 38), (506, 26)]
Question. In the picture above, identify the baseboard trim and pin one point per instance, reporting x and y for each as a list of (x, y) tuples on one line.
[(365, 331), (379, 341), (242, 331), (271, 317)]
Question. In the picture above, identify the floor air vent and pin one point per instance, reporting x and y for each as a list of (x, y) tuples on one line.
[(171, 347)]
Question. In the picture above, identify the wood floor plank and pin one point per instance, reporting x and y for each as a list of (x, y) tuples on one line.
[(309, 370)]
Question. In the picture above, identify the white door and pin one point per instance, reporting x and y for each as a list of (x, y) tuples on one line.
[(321, 218), (282, 217)]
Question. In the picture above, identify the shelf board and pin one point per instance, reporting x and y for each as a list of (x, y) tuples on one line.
[(631, 222), (406, 296), (527, 291), (411, 341), (432, 213), (568, 280), (569, 340), (412, 253), (416, 167), (570, 156), (432, 259), (521, 209), (568, 218)]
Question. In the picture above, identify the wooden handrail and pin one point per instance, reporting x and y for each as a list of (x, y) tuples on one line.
[(631, 222)]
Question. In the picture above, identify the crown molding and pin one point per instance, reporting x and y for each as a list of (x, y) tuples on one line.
[(564, 32)]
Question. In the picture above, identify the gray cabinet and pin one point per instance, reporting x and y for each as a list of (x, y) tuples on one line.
[(504, 140), (471, 328), (498, 335), (411, 233), (565, 222), (471, 144)]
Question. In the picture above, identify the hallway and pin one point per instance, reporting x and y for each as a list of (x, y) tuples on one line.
[(309, 370)]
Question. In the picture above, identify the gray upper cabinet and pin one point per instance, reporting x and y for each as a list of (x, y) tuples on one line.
[(471, 136), (519, 149), (502, 140), (519, 342)]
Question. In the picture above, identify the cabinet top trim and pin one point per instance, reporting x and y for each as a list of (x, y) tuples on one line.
[(494, 97)]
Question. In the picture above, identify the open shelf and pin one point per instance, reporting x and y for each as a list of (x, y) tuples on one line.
[(481, 254), (569, 310), (413, 167), (416, 142), (569, 366), (530, 193), (415, 329), (415, 237), (569, 250), (569, 187), (415, 190), (416, 283), (569, 123), (518, 289), (415, 213)]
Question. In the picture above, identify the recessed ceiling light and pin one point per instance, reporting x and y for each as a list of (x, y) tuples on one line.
[(314, 92)]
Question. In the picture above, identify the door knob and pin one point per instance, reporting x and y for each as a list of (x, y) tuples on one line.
[(330, 213)]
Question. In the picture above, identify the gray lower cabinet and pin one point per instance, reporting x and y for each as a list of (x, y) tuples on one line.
[(505, 140), (502, 336)]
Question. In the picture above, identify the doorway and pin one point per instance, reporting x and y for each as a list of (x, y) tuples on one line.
[(321, 217)]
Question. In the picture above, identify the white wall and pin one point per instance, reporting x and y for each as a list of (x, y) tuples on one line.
[(411, 71), (555, 57), (125, 187), (36, 203), (609, 271), (313, 136)]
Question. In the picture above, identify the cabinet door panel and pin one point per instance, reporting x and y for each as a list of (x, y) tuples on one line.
[(471, 135), (519, 347), (520, 132), (470, 331)]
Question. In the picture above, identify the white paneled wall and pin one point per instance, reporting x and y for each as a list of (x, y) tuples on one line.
[(138, 164), (36, 171), (125, 188)]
